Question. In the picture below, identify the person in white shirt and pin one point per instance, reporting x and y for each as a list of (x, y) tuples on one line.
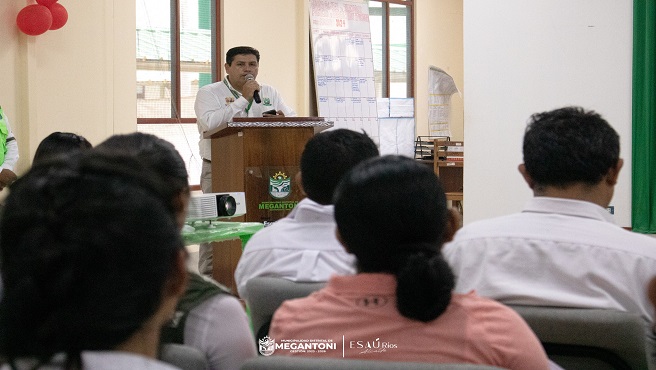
[(218, 103), (303, 245), (563, 249), (92, 262)]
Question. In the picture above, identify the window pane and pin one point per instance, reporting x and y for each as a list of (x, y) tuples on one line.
[(195, 51), (153, 59), (378, 36), (399, 51), (185, 139)]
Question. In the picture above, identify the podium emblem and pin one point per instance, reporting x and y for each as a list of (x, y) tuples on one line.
[(280, 185)]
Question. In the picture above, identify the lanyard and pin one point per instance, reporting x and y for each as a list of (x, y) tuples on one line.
[(236, 93)]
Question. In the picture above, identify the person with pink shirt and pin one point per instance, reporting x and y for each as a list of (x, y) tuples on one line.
[(391, 214)]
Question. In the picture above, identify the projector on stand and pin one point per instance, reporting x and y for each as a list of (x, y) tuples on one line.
[(215, 206)]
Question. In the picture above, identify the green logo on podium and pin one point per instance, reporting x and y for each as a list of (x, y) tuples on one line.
[(280, 185)]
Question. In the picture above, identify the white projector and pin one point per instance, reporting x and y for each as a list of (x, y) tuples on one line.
[(213, 206)]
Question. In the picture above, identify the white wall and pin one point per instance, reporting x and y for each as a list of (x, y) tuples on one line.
[(438, 42), (522, 57)]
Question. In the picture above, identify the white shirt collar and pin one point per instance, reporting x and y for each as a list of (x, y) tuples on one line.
[(308, 210), (569, 207)]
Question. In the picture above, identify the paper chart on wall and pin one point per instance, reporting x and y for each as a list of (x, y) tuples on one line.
[(343, 64)]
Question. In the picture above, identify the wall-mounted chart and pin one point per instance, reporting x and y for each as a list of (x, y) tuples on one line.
[(343, 64)]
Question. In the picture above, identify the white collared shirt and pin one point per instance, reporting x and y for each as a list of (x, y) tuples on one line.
[(556, 252), (217, 103), (220, 328), (299, 247)]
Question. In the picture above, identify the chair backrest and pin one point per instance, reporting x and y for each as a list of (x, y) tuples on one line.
[(184, 357), (266, 294), (581, 338), (308, 363)]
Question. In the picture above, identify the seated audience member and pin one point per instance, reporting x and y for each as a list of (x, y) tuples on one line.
[(8, 153), (563, 249), (391, 213), (302, 246), (93, 266), (59, 143), (207, 316), (55, 144), (651, 294), (162, 158)]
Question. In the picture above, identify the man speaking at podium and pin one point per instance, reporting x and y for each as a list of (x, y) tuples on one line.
[(238, 95)]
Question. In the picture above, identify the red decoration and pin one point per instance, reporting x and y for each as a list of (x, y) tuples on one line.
[(34, 19), (59, 16), (46, 2)]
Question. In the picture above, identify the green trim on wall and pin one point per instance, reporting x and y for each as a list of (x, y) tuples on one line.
[(644, 117)]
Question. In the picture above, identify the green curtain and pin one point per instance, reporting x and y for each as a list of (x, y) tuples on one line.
[(644, 117)]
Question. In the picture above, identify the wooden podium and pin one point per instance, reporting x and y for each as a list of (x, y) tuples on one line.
[(260, 157)]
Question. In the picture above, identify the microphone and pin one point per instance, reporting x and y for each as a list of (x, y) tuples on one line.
[(256, 93)]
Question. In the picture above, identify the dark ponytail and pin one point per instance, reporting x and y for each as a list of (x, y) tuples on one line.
[(424, 285), (391, 213)]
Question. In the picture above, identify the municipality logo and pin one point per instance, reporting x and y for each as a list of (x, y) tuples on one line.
[(280, 185), (267, 346)]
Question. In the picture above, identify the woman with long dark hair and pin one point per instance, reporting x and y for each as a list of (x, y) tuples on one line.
[(93, 265)]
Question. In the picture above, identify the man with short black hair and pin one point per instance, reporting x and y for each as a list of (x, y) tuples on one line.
[(563, 249), (218, 103), (303, 245)]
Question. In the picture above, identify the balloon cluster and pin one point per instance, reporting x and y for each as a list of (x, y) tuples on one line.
[(38, 18)]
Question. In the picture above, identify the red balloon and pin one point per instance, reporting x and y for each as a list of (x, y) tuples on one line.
[(59, 16), (34, 19), (46, 2)]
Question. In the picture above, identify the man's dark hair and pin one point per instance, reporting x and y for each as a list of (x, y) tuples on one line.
[(328, 156), (241, 50), (569, 145), (60, 143)]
